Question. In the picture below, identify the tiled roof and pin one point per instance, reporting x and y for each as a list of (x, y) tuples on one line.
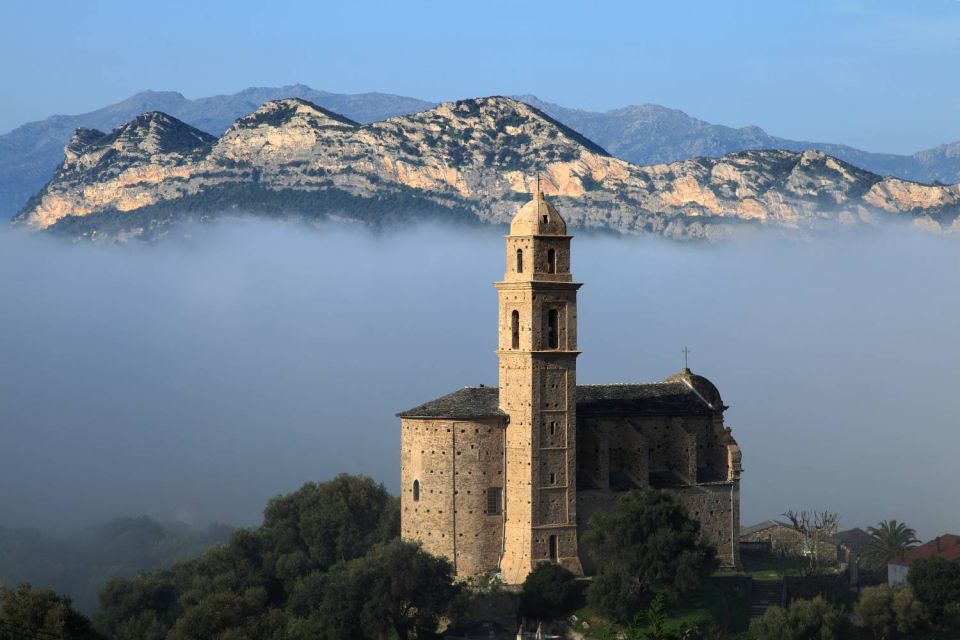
[(946, 546), (593, 400), (650, 399), (467, 403)]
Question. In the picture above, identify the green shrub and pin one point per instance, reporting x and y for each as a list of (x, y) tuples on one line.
[(936, 584), (549, 592), (887, 611), (813, 619)]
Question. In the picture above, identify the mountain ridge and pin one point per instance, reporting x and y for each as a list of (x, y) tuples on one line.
[(476, 157), (641, 134)]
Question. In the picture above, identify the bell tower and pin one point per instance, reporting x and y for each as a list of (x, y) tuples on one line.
[(538, 383)]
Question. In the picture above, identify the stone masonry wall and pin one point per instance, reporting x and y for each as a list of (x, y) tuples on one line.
[(455, 462), (717, 507)]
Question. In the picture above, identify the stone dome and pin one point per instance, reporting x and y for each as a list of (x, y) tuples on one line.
[(704, 388), (538, 218)]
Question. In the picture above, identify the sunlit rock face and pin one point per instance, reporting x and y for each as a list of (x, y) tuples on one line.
[(468, 160)]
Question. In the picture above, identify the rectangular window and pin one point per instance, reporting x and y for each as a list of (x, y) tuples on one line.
[(553, 548), (494, 501)]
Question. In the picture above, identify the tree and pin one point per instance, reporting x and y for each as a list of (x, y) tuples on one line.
[(936, 584), (649, 535), (264, 581), (813, 619), (29, 613), (890, 539), (549, 592), (887, 611), (334, 521), (615, 594), (816, 527), (396, 587), (646, 542)]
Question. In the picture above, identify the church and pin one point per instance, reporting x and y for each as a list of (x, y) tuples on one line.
[(499, 479)]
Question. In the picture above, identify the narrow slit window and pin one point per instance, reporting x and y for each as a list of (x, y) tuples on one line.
[(494, 501), (416, 491), (515, 330), (553, 319), (553, 428), (551, 261), (553, 478), (519, 260), (553, 548)]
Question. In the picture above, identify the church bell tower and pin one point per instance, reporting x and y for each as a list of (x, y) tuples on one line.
[(538, 383)]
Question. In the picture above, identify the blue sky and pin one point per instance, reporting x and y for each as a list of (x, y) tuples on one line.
[(880, 75)]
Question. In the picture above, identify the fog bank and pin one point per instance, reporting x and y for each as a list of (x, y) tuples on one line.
[(194, 380)]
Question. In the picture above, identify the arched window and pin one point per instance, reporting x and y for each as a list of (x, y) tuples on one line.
[(519, 260), (551, 261), (553, 319), (515, 330), (416, 491)]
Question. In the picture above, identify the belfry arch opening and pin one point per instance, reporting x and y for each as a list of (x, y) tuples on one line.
[(515, 330), (519, 260), (553, 333), (416, 491), (551, 261)]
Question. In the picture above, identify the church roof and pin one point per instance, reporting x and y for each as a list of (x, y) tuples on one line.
[(670, 398), (469, 402)]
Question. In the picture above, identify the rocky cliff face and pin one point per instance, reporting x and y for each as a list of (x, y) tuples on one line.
[(29, 154), (652, 134), (473, 159)]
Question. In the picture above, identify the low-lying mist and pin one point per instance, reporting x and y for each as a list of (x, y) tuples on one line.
[(194, 380)]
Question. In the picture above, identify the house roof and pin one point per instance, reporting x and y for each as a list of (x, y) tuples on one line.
[(760, 526), (855, 539), (672, 398), (946, 546)]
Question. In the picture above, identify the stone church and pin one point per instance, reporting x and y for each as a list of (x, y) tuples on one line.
[(498, 479)]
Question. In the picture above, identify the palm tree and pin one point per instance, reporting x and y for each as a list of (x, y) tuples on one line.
[(891, 539)]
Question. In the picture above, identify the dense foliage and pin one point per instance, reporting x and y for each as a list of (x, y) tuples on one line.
[(645, 543), (29, 613), (888, 612), (79, 565), (549, 592), (326, 563), (936, 584), (814, 619)]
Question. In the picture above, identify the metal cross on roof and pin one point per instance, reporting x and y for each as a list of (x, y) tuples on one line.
[(686, 357)]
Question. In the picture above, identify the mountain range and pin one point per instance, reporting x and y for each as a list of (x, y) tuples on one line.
[(471, 160), (643, 134)]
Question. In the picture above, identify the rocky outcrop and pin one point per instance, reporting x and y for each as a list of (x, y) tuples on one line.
[(473, 158)]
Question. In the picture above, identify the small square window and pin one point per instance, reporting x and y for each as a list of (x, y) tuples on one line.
[(494, 501)]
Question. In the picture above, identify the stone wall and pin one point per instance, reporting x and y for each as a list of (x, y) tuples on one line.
[(716, 506), (782, 539), (455, 463), (665, 452)]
